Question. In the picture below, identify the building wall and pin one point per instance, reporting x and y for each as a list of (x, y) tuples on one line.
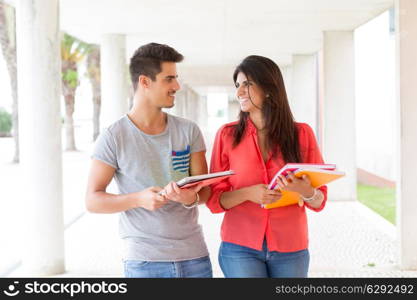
[(375, 91)]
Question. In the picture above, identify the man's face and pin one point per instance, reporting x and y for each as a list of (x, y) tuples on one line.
[(162, 91)]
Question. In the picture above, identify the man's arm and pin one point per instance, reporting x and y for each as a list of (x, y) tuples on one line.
[(198, 166), (99, 201), (198, 163)]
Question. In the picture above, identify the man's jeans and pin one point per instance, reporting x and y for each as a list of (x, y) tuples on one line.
[(199, 267), (238, 261)]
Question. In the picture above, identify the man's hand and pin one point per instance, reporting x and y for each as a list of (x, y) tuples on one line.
[(185, 196), (150, 199), (260, 194)]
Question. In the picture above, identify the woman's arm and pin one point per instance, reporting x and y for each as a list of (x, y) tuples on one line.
[(258, 193)]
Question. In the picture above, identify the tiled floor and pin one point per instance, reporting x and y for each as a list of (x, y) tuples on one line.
[(346, 238)]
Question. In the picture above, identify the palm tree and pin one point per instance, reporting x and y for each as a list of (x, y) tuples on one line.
[(93, 73), (8, 47), (73, 51)]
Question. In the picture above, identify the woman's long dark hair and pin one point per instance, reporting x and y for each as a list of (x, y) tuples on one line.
[(281, 131)]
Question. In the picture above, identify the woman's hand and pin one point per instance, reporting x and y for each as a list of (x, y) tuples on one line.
[(294, 184), (260, 194)]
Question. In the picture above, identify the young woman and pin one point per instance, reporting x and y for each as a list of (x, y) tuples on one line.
[(258, 242)]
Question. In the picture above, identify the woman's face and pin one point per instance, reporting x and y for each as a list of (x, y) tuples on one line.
[(247, 90)]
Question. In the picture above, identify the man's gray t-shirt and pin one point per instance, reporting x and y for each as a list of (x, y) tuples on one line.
[(172, 232)]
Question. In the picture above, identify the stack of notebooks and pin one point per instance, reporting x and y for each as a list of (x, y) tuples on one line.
[(319, 175)]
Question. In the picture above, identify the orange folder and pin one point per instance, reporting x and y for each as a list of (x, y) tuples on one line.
[(318, 178)]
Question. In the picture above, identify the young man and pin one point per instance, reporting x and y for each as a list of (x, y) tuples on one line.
[(145, 150)]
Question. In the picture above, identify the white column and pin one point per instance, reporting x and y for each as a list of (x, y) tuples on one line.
[(203, 113), (192, 105), (187, 104), (39, 90), (233, 108), (114, 78), (406, 61), (286, 72), (197, 111), (303, 99), (180, 105), (339, 111)]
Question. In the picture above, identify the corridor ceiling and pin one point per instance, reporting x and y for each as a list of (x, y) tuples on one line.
[(220, 32), (215, 35)]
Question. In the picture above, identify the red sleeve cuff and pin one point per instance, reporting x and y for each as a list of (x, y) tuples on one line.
[(213, 203)]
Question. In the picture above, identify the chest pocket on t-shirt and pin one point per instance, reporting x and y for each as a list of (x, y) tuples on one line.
[(181, 160)]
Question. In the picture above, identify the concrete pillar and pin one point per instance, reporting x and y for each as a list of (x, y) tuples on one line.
[(39, 90), (286, 72), (320, 99), (180, 105), (233, 109), (189, 105), (192, 105), (174, 110), (303, 99), (114, 78), (406, 61), (203, 112), (339, 111)]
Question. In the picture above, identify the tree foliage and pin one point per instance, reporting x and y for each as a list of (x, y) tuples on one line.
[(73, 51)]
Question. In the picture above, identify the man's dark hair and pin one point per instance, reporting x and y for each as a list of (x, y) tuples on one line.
[(147, 61)]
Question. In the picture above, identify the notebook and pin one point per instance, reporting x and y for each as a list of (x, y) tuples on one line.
[(319, 175)]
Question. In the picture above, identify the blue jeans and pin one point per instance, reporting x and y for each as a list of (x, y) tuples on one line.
[(199, 267), (238, 261)]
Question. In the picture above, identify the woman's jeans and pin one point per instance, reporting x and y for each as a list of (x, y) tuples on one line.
[(238, 261), (199, 267)]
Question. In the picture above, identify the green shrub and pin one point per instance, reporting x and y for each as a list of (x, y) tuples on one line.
[(5, 122)]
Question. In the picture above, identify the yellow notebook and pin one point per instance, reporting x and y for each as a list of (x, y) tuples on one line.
[(317, 176)]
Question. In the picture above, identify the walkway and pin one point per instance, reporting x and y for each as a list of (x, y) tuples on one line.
[(346, 239)]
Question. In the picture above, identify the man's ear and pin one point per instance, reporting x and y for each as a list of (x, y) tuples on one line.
[(144, 81)]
